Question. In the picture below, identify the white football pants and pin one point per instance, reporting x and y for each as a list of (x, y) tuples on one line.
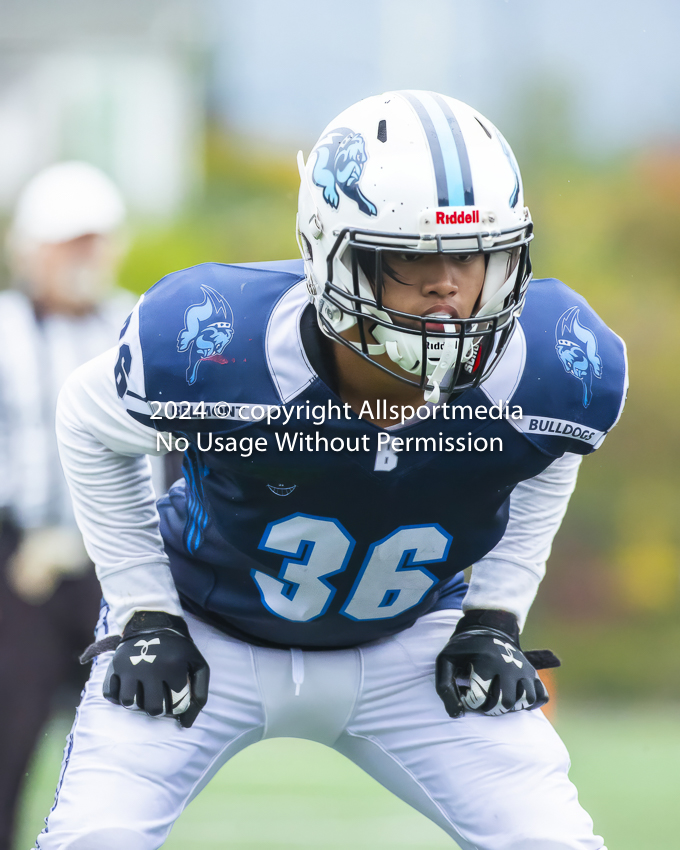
[(492, 783)]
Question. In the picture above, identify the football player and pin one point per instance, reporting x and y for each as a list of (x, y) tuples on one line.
[(359, 428)]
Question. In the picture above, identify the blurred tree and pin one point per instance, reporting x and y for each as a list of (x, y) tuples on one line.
[(246, 214)]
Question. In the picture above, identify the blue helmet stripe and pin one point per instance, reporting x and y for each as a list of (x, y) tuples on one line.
[(461, 150), (447, 147), (454, 177), (440, 175)]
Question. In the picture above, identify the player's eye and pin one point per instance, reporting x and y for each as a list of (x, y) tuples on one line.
[(409, 258)]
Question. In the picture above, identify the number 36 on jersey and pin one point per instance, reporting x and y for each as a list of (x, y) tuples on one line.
[(392, 577)]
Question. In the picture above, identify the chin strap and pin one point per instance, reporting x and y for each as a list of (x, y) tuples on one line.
[(433, 394), (372, 349)]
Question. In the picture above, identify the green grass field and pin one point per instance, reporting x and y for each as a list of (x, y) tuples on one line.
[(294, 794)]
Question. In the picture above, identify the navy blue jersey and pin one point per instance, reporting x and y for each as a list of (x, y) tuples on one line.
[(299, 522)]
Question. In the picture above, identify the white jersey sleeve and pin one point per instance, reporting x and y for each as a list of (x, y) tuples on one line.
[(101, 448), (508, 577)]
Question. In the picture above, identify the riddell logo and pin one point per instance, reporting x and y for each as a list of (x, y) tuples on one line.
[(464, 216)]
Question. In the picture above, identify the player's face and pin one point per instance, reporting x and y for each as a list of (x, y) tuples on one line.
[(444, 285)]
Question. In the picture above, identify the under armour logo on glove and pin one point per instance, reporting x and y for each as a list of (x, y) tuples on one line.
[(144, 653), (483, 669), (173, 682), (510, 649)]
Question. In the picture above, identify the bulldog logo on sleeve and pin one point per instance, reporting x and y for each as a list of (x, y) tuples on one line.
[(576, 347), (208, 330)]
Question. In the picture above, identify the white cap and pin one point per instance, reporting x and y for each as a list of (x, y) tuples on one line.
[(65, 201)]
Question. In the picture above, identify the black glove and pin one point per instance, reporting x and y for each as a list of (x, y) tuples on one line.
[(483, 669), (156, 668)]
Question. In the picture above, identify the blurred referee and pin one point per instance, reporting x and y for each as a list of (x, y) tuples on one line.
[(63, 247)]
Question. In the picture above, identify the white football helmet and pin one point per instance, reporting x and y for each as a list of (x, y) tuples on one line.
[(414, 172)]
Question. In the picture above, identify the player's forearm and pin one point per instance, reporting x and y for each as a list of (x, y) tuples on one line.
[(113, 498), (508, 577)]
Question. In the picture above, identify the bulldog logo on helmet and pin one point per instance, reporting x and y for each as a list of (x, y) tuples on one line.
[(340, 158), (204, 335), (576, 347)]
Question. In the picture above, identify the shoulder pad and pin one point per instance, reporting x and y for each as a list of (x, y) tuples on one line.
[(570, 372), (193, 334)]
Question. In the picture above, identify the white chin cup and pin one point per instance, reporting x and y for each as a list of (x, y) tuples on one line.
[(406, 350)]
